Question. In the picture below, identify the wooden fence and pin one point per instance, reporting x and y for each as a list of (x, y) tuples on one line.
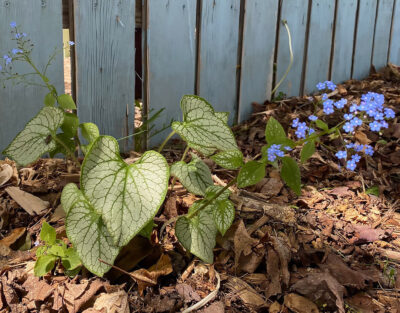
[(231, 52)]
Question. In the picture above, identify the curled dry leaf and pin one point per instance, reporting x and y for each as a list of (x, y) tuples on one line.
[(5, 174), (299, 304)]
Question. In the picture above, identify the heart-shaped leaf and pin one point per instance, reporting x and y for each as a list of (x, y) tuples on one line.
[(223, 213), (66, 102), (90, 132), (194, 176), (126, 196), (307, 151), (223, 116), (202, 128), (87, 232), (197, 234), (230, 159), (35, 139)]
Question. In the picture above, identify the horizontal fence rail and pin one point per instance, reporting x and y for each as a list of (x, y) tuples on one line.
[(232, 52)]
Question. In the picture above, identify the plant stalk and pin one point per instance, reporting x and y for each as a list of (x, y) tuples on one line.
[(165, 141)]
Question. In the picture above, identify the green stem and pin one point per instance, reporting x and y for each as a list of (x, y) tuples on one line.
[(320, 134), (51, 89), (165, 141), (208, 201), (182, 159), (291, 58), (69, 152)]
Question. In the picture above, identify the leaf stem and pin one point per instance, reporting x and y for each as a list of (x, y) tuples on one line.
[(320, 134), (182, 159), (70, 153), (165, 141), (208, 201)]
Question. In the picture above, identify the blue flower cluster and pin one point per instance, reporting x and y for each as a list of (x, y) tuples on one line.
[(274, 151), (326, 85), (302, 127), (355, 158)]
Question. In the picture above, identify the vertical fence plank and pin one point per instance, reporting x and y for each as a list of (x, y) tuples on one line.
[(382, 34), (364, 39), (171, 39), (218, 54), (295, 13), (343, 42), (105, 61), (257, 54), (42, 21), (319, 43), (394, 53)]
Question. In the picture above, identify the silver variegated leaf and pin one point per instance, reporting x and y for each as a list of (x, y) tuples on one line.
[(126, 196), (197, 234), (87, 232), (202, 128), (194, 176), (36, 138), (223, 213), (230, 159)]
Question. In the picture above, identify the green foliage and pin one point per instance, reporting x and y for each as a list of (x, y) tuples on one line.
[(321, 125), (251, 173), (374, 190), (49, 99), (54, 250), (307, 151), (290, 173), (90, 132), (230, 159), (275, 134), (66, 102), (203, 129), (194, 176)]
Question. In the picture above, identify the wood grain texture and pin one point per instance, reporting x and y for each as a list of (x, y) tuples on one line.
[(42, 21), (171, 38), (105, 60), (382, 34), (257, 54), (218, 54), (394, 53), (343, 42), (319, 43), (295, 13), (364, 38)]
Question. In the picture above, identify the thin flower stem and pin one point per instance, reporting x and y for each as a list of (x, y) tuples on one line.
[(166, 140), (210, 200)]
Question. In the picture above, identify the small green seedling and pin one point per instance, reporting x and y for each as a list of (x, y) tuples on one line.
[(52, 252)]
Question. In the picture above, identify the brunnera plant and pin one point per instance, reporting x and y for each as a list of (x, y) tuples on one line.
[(117, 201)]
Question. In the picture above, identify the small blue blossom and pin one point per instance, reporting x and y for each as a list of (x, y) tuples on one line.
[(330, 85), (13, 24), (379, 116), (273, 152), (375, 126), (71, 43), (340, 103), (353, 108), (341, 154), (324, 96), (15, 51), (389, 113), (356, 158), (356, 122), (311, 131), (348, 127), (384, 124), (321, 86), (24, 35), (348, 117), (18, 35), (351, 165), (350, 146), (328, 107), (363, 106), (295, 122), (312, 118), (369, 150), (358, 148), (287, 148), (300, 134), (7, 58)]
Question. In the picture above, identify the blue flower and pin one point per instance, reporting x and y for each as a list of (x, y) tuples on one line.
[(15, 51), (24, 35), (311, 131), (356, 158), (321, 86), (287, 148), (71, 43), (353, 107), (13, 24), (324, 96), (341, 103), (328, 107), (369, 150), (356, 122), (330, 85), (273, 152), (348, 127), (384, 124), (375, 126), (351, 165), (358, 147), (7, 58), (389, 113), (312, 118), (18, 35), (341, 154), (350, 146), (300, 134), (295, 122), (348, 117)]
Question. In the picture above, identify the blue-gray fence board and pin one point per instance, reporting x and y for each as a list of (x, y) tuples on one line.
[(105, 59), (257, 54), (364, 38), (319, 43), (218, 54), (42, 22), (382, 33), (344, 38), (394, 54), (295, 13), (171, 39)]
